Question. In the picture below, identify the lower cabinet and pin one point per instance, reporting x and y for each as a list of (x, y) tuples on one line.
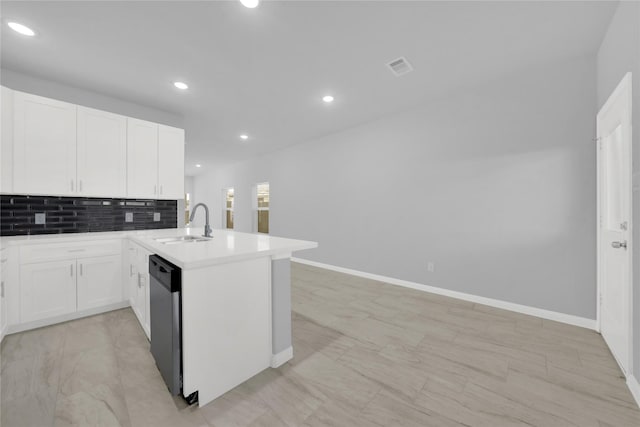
[(139, 296), (47, 289), (51, 288), (99, 281), (4, 282)]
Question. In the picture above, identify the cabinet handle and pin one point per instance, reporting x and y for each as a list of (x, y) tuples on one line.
[(71, 269), (71, 185), (139, 286), (2, 289), (75, 250), (130, 270), (81, 269), (81, 186), (155, 188)]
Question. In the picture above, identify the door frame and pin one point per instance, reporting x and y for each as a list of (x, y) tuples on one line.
[(624, 89)]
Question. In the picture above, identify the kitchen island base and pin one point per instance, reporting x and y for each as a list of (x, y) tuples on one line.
[(226, 326)]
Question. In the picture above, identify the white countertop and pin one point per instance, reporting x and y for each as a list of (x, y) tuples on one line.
[(226, 245)]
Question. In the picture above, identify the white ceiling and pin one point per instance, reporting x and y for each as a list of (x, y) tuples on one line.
[(263, 71)]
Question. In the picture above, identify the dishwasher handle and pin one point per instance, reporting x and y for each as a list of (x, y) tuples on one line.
[(167, 274)]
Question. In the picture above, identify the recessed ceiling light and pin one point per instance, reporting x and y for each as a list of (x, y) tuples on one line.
[(22, 29), (250, 3), (198, 165), (181, 85), (327, 98), (245, 137)]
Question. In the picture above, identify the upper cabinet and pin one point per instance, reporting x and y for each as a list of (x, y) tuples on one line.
[(6, 140), (155, 160), (170, 162), (102, 154), (55, 148), (44, 148), (142, 159)]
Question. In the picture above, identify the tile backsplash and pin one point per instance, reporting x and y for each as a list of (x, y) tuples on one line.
[(20, 215)]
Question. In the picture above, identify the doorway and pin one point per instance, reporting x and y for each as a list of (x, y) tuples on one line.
[(614, 223)]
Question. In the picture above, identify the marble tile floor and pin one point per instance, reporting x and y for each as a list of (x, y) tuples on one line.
[(366, 354)]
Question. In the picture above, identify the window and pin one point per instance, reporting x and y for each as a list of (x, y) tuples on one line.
[(262, 191), (228, 207)]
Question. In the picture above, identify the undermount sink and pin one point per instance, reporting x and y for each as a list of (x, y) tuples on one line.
[(182, 239)]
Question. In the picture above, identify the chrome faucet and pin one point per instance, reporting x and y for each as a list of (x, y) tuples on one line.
[(207, 227)]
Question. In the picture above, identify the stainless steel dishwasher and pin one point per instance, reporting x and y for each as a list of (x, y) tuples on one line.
[(166, 329)]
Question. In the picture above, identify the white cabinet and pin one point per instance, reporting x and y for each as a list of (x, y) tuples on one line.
[(170, 162), (99, 281), (51, 147), (131, 266), (47, 289), (44, 148), (6, 140), (139, 296), (102, 153), (4, 276), (65, 278), (142, 159)]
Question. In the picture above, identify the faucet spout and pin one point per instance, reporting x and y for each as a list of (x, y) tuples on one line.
[(207, 225)]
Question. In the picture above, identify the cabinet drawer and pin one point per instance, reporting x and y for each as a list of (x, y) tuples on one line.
[(56, 251)]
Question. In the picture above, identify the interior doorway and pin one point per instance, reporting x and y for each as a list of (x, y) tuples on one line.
[(615, 247)]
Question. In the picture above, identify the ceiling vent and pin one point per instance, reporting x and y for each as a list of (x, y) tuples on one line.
[(400, 66)]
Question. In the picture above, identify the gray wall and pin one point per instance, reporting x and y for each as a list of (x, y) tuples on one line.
[(619, 54), (495, 184), (50, 89)]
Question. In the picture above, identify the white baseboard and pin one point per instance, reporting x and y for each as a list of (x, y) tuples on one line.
[(634, 386), (12, 329), (505, 305), (281, 358)]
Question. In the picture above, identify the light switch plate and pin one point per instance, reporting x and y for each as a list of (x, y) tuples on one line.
[(41, 218), (156, 216), (128, 217)]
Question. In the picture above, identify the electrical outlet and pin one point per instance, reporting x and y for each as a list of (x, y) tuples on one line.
[(431, 267), (41, 218), (128, 217), (156, 216)]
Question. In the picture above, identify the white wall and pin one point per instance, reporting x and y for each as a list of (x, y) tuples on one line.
[(619, 54), (495, 184)]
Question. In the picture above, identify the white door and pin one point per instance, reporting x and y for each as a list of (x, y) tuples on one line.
[(6, 140), (142, 159), (170, 162), (47, 289), (102, 153), (614, 203), (44, 145), (99, 281)]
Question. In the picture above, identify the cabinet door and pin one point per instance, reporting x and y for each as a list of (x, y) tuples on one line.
[(99, 281), (170, 162), (142, 159), (3, 299), (44, 146), (47, 289), (102, 153), (132, 273), (143, 300), (6, 140)]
